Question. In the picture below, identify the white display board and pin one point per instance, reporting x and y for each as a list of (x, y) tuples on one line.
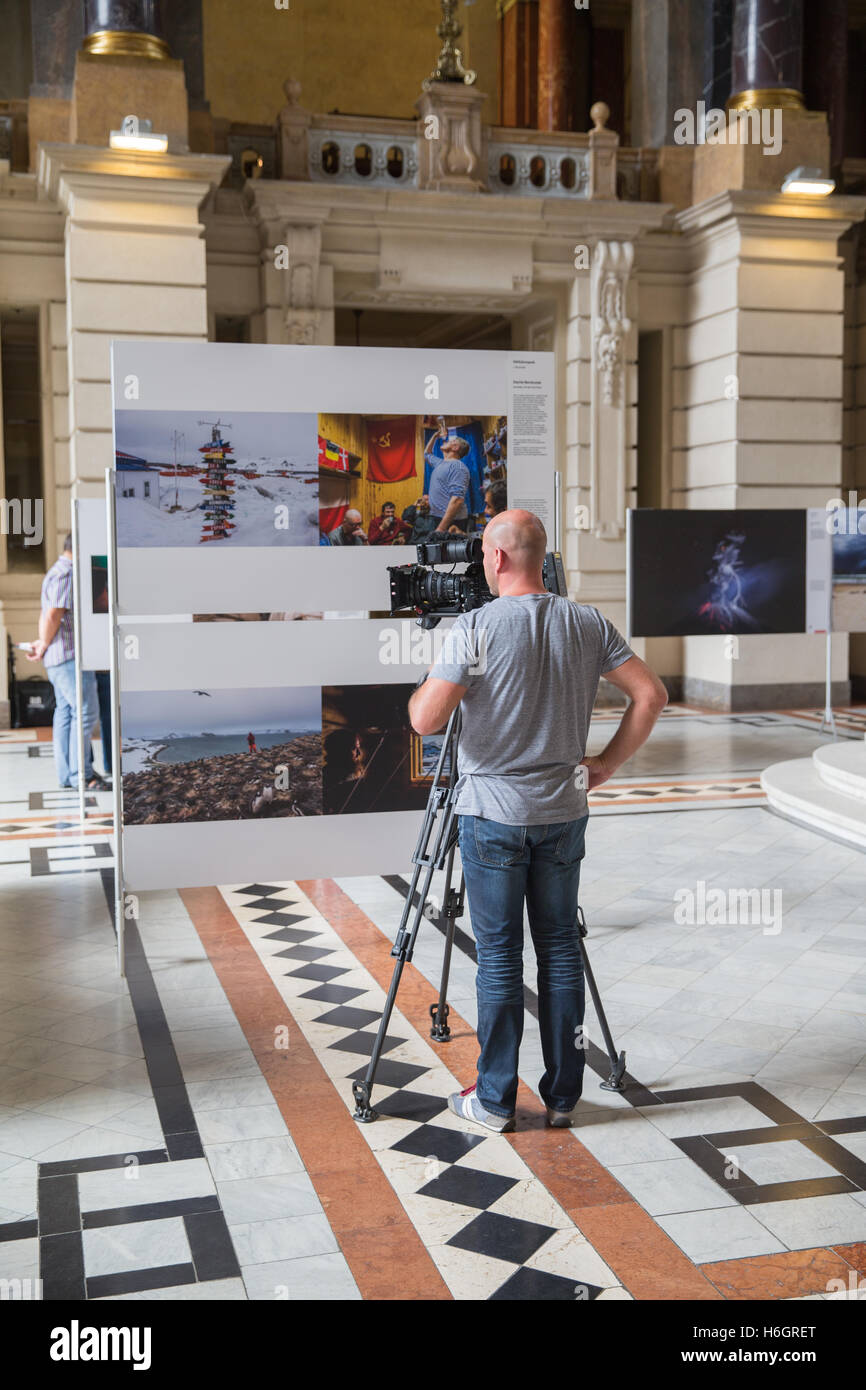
[(262, 735)]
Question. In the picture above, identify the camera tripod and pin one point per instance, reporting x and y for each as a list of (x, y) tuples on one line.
[(437, 842)]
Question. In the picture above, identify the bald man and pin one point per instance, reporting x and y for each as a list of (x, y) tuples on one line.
[(525, 670), (350, 531)]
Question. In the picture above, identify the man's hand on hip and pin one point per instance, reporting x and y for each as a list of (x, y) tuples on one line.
[(596, 771)]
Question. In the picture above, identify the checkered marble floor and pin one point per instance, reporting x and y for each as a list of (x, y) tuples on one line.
[(143, 1155), (488, 1223)]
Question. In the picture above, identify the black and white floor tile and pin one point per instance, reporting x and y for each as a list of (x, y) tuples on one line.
[(488, 1223)]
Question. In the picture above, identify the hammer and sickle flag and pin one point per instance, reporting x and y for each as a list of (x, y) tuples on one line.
[(391, 449)]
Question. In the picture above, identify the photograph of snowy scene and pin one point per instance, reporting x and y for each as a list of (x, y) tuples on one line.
[(246, 479), (205, 755)]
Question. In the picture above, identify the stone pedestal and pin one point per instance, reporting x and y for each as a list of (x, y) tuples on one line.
[(453, 152), (107, 88), (602, 158), (805, 140)]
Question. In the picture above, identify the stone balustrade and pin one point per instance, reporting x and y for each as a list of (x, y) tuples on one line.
[(448, 148)]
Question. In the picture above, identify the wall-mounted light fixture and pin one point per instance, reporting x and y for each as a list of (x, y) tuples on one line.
[(803, 180), (137, 134)]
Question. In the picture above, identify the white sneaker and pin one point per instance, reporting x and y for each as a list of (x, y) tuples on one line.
[(467, 1105)]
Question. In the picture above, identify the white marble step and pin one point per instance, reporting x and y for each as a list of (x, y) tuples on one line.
[(795, 789), (842, 767)]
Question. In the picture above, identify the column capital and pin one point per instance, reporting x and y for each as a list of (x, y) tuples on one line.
[(64, 168)]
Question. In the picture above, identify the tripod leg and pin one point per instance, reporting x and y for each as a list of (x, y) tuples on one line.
[(451, 910), (439, 1030), (361, 1090), (402, 950), (438, 828), (615, 1080)]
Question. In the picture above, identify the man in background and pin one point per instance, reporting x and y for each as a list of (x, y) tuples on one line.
[(418, 517), (350, 531), (387, 528), (449, 480), (55, 648), (495, 500)]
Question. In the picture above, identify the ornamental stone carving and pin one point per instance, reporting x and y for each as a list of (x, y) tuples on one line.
[(611, 265)]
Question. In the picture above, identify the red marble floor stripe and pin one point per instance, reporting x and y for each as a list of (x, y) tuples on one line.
[(384, 1251), (788, 1274), (640, 1253)]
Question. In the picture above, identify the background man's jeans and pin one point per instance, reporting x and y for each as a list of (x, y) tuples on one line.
[(65, 731), (503, 866)]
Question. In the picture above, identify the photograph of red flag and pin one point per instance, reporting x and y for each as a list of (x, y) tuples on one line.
[(391, 449)]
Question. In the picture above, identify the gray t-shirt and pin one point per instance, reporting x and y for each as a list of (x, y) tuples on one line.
[(532, 664)]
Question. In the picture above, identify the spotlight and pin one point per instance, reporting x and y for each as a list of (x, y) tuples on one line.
[(136, 134), (803, 180)]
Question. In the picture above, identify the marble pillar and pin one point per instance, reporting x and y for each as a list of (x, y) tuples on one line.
[(124, 27), (718, 34), (767, 54), (557, 65), (825, 68), (518, 52)]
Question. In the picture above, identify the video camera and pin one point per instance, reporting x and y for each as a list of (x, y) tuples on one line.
[(435, 596)]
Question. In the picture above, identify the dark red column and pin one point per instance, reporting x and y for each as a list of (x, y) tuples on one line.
[(557, 65)]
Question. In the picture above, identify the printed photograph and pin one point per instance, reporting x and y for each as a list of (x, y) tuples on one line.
[(397, 480), (696, 572), (251, 480), (372, 759), (205, 755), (99, 583), (849, 573)]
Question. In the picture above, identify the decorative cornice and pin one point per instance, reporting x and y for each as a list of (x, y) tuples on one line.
[(841, 209), (58, 162)]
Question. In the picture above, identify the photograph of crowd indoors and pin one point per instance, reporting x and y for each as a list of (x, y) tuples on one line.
[(508, 944), (404, 479)]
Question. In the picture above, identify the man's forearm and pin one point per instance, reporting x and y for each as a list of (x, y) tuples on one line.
[(49, 625), (635, 728)]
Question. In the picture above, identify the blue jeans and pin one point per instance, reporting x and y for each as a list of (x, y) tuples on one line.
[(65, 731), (505, 866)]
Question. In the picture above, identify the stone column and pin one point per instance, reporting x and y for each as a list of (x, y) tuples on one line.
[(129, 27), (600, 393), (718, 30), (825, 68), (135, 267), (557, 60), (767, 54), (757, 396)]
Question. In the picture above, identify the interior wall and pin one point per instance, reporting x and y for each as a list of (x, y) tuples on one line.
[(367, 57)]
